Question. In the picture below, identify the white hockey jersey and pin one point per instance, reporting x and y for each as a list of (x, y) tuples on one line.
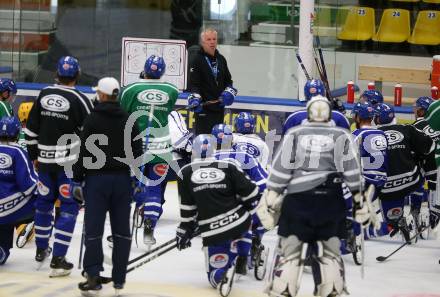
[(253, 145), (181, 138)]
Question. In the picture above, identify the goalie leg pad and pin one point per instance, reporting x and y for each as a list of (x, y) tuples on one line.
[(331, 268), (289, 268)]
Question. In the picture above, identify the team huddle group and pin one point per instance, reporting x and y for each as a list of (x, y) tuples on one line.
[(326, 188)]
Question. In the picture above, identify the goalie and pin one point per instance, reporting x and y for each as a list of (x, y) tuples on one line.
[(309, 166)]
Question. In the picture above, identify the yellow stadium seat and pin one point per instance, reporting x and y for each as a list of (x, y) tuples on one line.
[(394, 26), (359, 24), (432, 1), (427, 28)]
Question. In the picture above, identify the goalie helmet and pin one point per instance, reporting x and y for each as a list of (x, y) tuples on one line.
[(223, 134), (154, 67), (203, 146), (9, 127), (313, 88), (68, 67), (23, 111), (244, 123), (384, 113), (372, 96), (319, 109), (423, 102), (8, 85)]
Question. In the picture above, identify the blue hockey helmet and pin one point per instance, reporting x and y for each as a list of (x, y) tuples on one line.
[(244, 123), (154, 67), (68, 67), (8, 85), (223, 133), (9, 127), (423, 102), (364, 110), (372, 96), (385, 113), (313, 88), (203, 146)]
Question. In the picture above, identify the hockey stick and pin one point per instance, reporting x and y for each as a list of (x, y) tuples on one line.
[(384, 258), (306, 73), (171, 247), (203, 104), (151, 251), (83, 235)]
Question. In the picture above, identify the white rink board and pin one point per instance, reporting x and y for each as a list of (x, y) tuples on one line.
[(135, 52)]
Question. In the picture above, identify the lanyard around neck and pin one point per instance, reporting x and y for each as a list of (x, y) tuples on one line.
[(214, 69)]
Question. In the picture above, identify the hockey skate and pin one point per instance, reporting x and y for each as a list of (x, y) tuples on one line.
[(149, 239), (407, 227), (260, 262), (60, 267), (423, 220), (241, 266), (225, 286), (118, 288), (25, 233), (41, 256), (91, 287)]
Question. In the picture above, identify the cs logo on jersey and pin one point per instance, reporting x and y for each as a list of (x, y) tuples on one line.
[(248, 148), (316, 143), (55, 103), (160, 169), (393, 136), (431, 132), (207, 176), (64, 190), (154, 97), (5, 161), (378, 143), (394, 213), (219, 260)]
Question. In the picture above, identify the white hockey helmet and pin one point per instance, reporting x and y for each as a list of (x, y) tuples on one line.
[(319, 109)]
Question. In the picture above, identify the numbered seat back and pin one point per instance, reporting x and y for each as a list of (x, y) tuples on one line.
[(427, 28), (394, 26), (359, 24)]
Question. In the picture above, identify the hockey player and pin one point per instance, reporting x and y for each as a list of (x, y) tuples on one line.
[(256, 173), (311, 163), (419, 199), (25, 232), (313, 88), (18, 182), (215, 195), (406, 147), (8, 89), (373, 97), (153, 100), (245, 138), (59, 111)]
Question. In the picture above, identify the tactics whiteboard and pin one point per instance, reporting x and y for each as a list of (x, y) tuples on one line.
[(135, 52)]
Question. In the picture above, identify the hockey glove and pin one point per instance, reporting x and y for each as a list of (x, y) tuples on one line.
[(434, 216), (269, 209), (228, 96), (76, 191), (194, 102), (183, 239)]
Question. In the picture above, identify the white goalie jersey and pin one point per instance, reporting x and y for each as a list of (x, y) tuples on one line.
[(253, 145), (181, 138)]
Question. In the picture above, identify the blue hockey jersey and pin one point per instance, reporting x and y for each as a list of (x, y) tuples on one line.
[(246, 162), (373, 152), (18, 182), (297, 117)]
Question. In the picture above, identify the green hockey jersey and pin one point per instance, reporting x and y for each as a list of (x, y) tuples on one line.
[(152, 101), (5, 109), (433, 118)]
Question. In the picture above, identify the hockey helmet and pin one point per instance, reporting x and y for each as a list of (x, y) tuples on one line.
[(313, 88), (8, 85), (154, 67), (68, 67), (244, 123), (385, 113), (203, 146), (364, 110), (223, 134), (423, 102), (9, 127), (372, 96), (23, 111), (319, 109)]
